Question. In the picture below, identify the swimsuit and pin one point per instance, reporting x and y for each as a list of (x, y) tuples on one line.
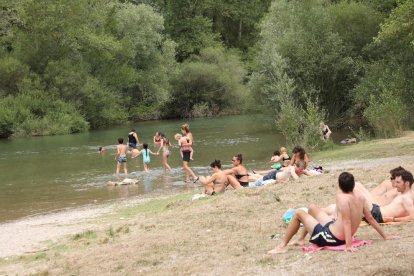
[(132, 142), (146, 157), (186, 156), (322, 236), (166, 152), (122, 159), (376, 213), (243, 183)]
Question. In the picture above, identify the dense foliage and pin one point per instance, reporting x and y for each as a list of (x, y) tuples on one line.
[(348, 62), (66, 66)]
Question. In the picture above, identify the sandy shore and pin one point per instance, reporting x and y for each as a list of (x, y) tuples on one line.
[(33, 234), (221, 235)]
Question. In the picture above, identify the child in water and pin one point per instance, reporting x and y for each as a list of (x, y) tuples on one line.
[(145, 152), (120, 157), (183, 142), (165, 145)]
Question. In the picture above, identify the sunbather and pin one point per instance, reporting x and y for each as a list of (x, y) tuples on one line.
[(326, 232)]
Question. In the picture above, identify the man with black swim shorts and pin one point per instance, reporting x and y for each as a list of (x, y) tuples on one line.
[(350, 208)]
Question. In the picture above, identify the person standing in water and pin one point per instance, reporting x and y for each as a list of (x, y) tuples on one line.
[(133, 140), (185, 130), (165, 146), (145, 152), (120, 157), (185, 155)]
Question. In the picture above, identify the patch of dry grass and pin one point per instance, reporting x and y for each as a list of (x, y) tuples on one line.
[(228, 234)]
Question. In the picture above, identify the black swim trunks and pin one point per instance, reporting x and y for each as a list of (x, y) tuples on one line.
[(244, 183), (322, 236), (186, 156), (376, 213)]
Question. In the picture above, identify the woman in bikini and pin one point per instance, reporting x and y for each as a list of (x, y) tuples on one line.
[(300, 160), (238, 171), (218, 181)]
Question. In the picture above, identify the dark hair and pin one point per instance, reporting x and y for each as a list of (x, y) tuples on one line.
[(346, 182), (239, 157), (396, 171), (145, 146), (121, 140), (216, 163), (276, 152), (133, 129), (100, 148), (300, 150), (405, 176)]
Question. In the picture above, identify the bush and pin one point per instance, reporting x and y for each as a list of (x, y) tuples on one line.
[(36, 114), (210, 81), (386, 114), (313, 116)]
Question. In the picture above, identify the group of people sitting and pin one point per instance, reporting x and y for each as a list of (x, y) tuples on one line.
[(336, 224), (391, 201), (282, 168)]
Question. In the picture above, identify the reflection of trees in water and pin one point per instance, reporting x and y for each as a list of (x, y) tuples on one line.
[(147, 181)]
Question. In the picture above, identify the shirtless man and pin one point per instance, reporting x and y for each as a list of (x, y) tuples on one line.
[(401, 208), (385, 192), (381, 195), (325, 232)]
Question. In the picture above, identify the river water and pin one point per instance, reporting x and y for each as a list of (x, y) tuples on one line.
[(46, 174)]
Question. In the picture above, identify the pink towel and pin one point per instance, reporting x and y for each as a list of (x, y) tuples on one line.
[(355, 243)]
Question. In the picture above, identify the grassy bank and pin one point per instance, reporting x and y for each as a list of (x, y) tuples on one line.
[(230, 233)]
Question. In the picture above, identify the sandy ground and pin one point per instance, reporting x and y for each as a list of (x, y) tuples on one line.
[(221, 235)]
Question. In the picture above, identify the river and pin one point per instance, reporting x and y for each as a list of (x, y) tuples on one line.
[(47, 174)]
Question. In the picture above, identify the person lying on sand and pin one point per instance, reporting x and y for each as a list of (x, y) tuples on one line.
[(218, 181), (281, 175), (401, 207), (326, 232)]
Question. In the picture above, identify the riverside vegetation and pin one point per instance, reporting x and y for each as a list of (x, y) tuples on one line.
[(224, 234), (68, 66)]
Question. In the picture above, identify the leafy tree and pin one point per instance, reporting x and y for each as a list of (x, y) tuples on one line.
[(213, 79)]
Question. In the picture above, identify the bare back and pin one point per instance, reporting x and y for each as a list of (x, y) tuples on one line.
[(122, 150), (350, 208)]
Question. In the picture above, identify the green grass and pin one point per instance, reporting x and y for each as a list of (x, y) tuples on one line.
[(85, 235), (367, 150)]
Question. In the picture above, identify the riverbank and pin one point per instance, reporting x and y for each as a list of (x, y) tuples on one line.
[(221, 235)]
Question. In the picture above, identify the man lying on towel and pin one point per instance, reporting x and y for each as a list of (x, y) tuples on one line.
[(325, 232), (401, 208)]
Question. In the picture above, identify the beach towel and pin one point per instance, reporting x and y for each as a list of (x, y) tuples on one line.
[(355, 243)]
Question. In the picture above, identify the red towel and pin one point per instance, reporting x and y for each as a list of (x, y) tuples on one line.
[(355, 243)]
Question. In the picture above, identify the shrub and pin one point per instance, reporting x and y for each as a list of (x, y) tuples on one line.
[(386, 114), (212, 80)]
